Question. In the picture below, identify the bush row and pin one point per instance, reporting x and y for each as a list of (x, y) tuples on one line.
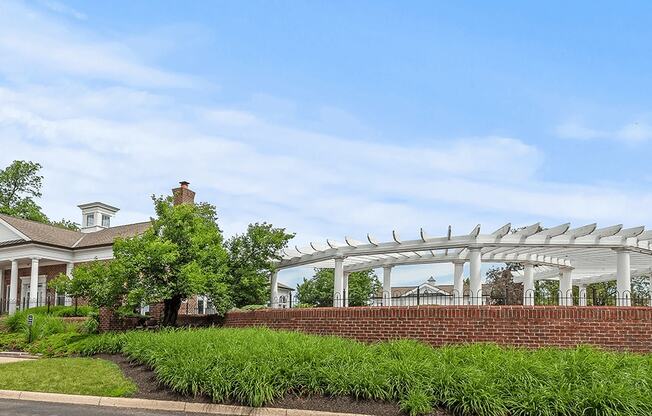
[(257, 366)]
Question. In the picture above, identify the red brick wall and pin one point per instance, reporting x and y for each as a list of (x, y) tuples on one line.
[(607, 327)]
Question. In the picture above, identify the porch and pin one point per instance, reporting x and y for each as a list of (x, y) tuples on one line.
[(24, 283)]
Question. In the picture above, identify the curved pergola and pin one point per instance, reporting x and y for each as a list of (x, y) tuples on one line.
[(576, 256)]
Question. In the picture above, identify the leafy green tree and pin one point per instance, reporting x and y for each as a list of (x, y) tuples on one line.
[(318, 290), (181, 255), (20, 186), (251, 259), (503, 288)]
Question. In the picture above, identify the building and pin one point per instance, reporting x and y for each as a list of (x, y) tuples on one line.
[(285, 295), (32, 253), (426, 293)]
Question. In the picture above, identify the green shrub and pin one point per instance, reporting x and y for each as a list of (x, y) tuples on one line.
[(57, 345), (12, 342), (253, 307), (106, 343), (256, 366)]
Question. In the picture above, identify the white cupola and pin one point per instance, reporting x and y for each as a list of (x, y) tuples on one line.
[(96, 216)]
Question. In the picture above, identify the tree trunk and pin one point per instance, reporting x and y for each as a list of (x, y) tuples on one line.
[(171, 311)]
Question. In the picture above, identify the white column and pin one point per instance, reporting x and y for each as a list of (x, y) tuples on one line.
[(475, 265), (582, 290), (13, 287), (387, 286), (33, 284), (3, 295), (623, 279), (339, 283), (69, 267), (347, 295), (458, 282), (566, 287), (528, 284), (273, 293)]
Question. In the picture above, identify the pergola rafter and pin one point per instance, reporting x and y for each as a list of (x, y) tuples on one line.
[(588, 251)]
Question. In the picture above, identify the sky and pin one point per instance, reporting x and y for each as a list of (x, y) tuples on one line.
[(336, 118)]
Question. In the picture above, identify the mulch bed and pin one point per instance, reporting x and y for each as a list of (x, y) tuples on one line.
[(149, 388)]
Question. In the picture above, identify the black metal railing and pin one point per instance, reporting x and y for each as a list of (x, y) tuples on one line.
[(491, 297), (49, 300)]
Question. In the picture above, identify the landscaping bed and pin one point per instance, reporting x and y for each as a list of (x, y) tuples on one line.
[(150, 388), (258, 367), (262, 367)]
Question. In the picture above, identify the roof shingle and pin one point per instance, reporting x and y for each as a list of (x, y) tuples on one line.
[(49, 234)]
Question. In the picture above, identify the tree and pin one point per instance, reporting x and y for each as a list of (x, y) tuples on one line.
[(503, 288), (181, 255), (251, 259), (318, 290), (20, 186)]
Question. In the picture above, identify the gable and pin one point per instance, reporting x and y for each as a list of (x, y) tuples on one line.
[(7, 234)]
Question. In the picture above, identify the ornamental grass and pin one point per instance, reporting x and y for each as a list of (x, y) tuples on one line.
[(255, 366)]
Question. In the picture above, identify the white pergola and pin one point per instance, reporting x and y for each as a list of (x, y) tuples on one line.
[(576, 256)]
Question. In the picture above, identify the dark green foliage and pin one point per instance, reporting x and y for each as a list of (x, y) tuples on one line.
[(181, 255), (251, 259), (318, 290), (256, 366)]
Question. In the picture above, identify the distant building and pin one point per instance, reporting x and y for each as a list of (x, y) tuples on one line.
[(426, 293)]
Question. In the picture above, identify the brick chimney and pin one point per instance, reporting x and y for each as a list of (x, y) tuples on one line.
[(183, 194)]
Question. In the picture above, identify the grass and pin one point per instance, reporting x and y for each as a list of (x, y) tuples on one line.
[(48, 331), (256, 366), (88, 376)]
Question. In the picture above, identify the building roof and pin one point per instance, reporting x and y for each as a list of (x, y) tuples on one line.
[(398, 291), (108, 235), (286, 287), (48, 234)]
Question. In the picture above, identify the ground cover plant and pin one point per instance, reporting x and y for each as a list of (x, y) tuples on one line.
[(256, 366), (49, 334), (88, 376)]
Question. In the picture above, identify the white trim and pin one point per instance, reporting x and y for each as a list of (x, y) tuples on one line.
[(14, 230)]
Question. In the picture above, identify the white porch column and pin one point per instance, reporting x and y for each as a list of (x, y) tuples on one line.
[(528, 284), (566, 287), (273, 297), (623, 279), (582, 289), (339, 283), (387, 286), (69, 267), (13, 287), (347, 295), (458, 282), (3, 295), (475, 258), (33, 284)]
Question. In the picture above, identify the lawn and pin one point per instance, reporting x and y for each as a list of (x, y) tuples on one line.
[(89, 376), (256, 366)]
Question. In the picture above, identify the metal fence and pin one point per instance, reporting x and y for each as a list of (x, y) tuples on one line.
[(490, 298), (47, 301)]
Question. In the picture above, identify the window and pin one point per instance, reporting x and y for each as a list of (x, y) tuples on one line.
[(106, 221), (90, 220)]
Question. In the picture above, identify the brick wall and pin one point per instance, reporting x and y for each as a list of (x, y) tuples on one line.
[(607, 327), (110, 321)]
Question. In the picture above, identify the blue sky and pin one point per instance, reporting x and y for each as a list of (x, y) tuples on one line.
[(336, 118)]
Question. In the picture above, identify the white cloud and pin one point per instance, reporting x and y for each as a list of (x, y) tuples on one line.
[(633, 132), (32, 44), (64, 9), (125, 139)]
